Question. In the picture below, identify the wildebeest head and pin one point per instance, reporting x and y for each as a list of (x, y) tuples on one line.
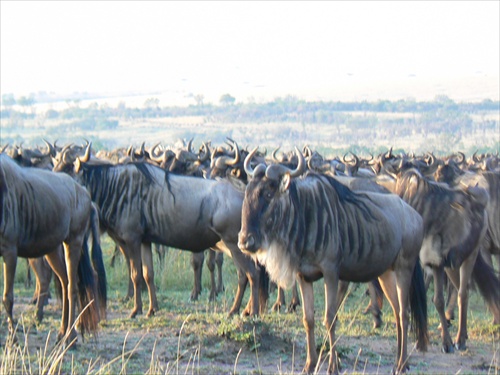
[(264, 189)]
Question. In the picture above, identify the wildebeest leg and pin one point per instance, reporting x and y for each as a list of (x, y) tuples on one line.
[(149, 276), (36, 294), (447, 344), (295, 298), (307, 293), (331, 288), (460, 278), (247, 272), (240, 291), (428, 276), (134, 257), (160, 251), (451, 301), (197, 264), (219, 261), (9, 271), (280, 300), (43, 275), (388, 283), (57, 263), (376, 303), (28, 281), (342, 292), (72, 253), (211, 268), (130, 288)]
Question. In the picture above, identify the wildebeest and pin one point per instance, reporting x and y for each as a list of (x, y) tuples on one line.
[(312, 226), (455, 222), (450, 173), (39, 210), (140, 204)]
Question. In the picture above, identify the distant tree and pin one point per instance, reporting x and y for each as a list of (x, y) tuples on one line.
[(8, 100), (26, 101), (51, 114), (152, 103), (199, 99), (227, 99)]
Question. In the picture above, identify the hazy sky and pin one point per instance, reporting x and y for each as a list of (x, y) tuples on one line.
[(252, 49)]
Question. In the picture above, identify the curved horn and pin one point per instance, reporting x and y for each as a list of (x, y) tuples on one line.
[(273, 155), (236, 158), (389, 153), (86, 157), (461, 160), (307, 151), (142, 150), (246, 164), (51, 150), (64, 153), (129, 150), (189, 145), (355, 159), (153, 152), (274, 171), (475, 158), (4, 148), (206, 155)]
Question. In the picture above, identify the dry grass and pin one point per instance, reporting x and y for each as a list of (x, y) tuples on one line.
[(198, 337)]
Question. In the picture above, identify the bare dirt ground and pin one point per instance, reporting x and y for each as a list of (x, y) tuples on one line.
[(199, 338)]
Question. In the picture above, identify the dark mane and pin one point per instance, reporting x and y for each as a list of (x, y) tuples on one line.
[(346, 195), (423, 183), (105, 180), (101, 171)]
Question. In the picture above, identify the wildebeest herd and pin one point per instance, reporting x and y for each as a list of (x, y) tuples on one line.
[(292, 217)]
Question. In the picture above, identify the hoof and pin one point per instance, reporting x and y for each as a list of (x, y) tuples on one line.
[(134, 313), (396, 371), (460, 347), (276, 307), (448, 349), (293, 307)]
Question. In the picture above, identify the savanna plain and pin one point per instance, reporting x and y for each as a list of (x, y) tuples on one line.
[(198, 337)]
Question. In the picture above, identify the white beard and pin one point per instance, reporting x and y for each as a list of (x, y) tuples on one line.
[(278, 264)]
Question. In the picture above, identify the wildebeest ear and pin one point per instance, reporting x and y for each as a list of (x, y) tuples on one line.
[(285, 182), (77, 165)]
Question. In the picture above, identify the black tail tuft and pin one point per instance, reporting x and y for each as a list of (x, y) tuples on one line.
[(87, 292), (98, 263), (418, 305), (488, 283)]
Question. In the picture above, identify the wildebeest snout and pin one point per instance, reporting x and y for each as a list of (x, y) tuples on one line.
[(246, 241)]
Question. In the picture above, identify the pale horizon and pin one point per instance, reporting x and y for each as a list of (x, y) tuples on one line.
[(253, 50)]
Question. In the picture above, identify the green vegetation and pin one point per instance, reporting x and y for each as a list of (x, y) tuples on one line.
[(334, 127), (199, 337)]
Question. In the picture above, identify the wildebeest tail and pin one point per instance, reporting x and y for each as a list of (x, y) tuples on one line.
[(87, 293), (98, 263), (487, 281), (418, 306)]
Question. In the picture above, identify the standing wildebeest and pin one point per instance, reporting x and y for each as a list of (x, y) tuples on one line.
[(39, 210), (455, 222), (313, 226), (140, 204)]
